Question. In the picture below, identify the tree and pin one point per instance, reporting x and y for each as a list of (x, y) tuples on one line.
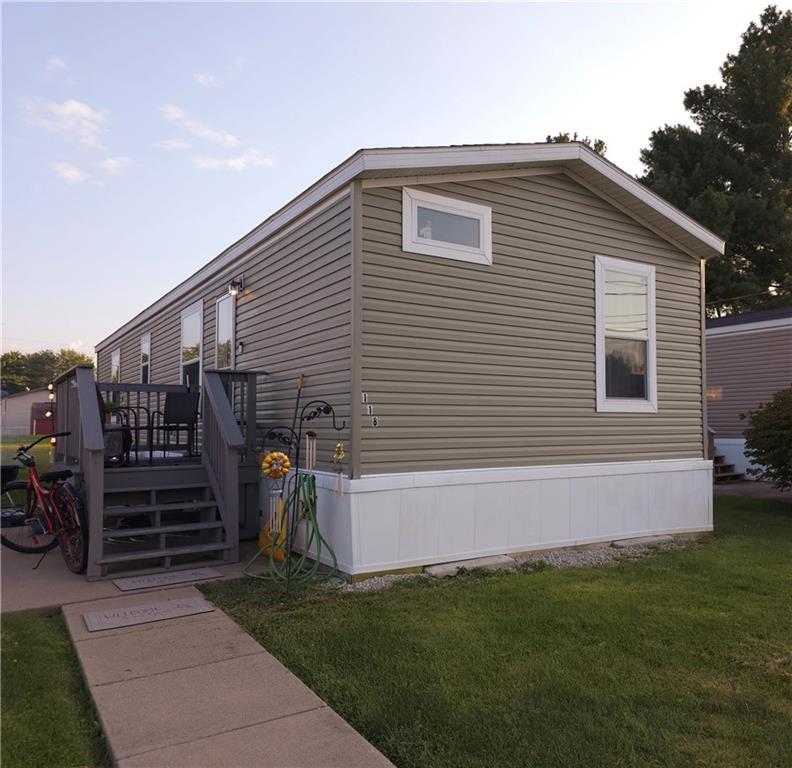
[(37, 369), (598, 145), (768, 440), (732, 171)]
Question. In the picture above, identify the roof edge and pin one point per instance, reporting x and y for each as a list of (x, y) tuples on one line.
[(417, 157)]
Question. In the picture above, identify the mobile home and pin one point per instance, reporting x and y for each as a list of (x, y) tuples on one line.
[(512, 334)]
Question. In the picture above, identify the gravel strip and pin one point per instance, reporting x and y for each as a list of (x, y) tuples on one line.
[(379, 582), (604, 555)]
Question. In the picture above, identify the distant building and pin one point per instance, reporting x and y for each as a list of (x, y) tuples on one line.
[(23, 413), (749, 358)]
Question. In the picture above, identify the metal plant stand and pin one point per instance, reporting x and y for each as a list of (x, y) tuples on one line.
[(293, 500)]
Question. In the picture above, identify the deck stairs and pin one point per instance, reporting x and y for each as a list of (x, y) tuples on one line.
[(722, 472), (160, 518)]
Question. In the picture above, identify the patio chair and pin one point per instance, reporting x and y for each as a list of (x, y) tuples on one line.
[(180, 414)]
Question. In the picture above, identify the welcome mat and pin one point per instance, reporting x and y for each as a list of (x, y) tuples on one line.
[(166, 579), (113, 618)]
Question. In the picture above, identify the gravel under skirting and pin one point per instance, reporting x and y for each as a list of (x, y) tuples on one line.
[(605, 555), (573, 557)]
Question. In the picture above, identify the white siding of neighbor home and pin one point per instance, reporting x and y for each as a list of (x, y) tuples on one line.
[(474, 366)]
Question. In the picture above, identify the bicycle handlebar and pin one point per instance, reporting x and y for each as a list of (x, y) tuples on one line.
[(43, 437)]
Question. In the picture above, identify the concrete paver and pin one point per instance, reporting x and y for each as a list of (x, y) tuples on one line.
[(73, 613), (197, 690), (315, 739), (164, 649), (172, 707)]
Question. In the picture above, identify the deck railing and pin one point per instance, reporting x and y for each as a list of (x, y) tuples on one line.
[(83, 450), (136, 406)]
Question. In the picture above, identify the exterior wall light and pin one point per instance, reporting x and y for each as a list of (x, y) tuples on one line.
[(236, 286)]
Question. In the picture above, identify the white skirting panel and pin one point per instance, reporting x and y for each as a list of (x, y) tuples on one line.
[(387, 522)]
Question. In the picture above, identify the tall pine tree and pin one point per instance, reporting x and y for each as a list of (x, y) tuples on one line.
[(733, 173)]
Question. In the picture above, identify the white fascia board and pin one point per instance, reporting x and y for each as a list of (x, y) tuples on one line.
[(646, 196), (761, 325)]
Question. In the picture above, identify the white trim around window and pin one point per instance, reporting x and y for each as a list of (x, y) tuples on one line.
[(647, 404), (196, 308), (145, 365), (115, 366), (414, 242), (220, 303)]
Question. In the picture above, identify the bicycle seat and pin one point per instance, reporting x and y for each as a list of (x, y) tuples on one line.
[(55, 476)]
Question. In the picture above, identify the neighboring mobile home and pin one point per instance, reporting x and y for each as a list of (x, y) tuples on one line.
[(24, 413), (513, 334), (749, 359)]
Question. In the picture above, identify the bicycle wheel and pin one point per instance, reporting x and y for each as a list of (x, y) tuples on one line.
[(73, 537), (18, 531)]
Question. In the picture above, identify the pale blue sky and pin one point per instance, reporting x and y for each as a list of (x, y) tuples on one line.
[(140, 140)]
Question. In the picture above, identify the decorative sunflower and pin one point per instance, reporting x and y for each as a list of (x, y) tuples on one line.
[(275, 465)]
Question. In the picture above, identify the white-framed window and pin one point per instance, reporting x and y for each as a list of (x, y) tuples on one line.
[(145, 358), (225, 311), (626, 339), (446, 227), (115, 366), (191, 344)]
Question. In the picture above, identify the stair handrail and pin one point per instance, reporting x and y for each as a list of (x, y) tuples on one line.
[(223, 444), (221, 410)]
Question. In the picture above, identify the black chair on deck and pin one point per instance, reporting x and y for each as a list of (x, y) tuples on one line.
[(180, 414)]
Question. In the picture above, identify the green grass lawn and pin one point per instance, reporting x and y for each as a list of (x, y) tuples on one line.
[(9, 445), (48, 720), (680, 659)]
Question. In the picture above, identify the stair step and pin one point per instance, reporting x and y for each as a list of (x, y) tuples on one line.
[(151, 554), (123, 533), (170, 506), (199, 485), (729, 476)]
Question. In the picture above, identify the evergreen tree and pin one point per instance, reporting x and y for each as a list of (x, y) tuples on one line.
[(598, 145), (733, 171)]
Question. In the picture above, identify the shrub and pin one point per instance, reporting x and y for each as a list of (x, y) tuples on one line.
[(768, 440)]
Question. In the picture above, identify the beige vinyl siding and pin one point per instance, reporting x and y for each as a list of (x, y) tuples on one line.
[(744, 370), (469, 365), (293, 317)]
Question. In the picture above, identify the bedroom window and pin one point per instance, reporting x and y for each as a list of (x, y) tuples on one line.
[(446, 227), (224, 335), (625, 319), (191, 344), (145, 358), (115, 366)]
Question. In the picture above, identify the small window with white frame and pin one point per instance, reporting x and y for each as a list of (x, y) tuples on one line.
[(145, 358), (626, 338), (224, 331), (445, 226), (115, 366), (191, 344)]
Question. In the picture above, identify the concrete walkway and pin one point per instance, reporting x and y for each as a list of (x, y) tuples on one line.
[(52, 585), (752, 488), (198, 691)]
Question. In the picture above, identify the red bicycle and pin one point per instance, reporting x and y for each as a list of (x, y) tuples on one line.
[(37, 518)]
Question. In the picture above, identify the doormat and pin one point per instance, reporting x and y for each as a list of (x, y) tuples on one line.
[(166, 579), (113, 618)]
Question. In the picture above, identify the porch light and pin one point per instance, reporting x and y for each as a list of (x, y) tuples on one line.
[(236, 285), (50, 387), (53, 440), (48, 415), (51, 395)]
